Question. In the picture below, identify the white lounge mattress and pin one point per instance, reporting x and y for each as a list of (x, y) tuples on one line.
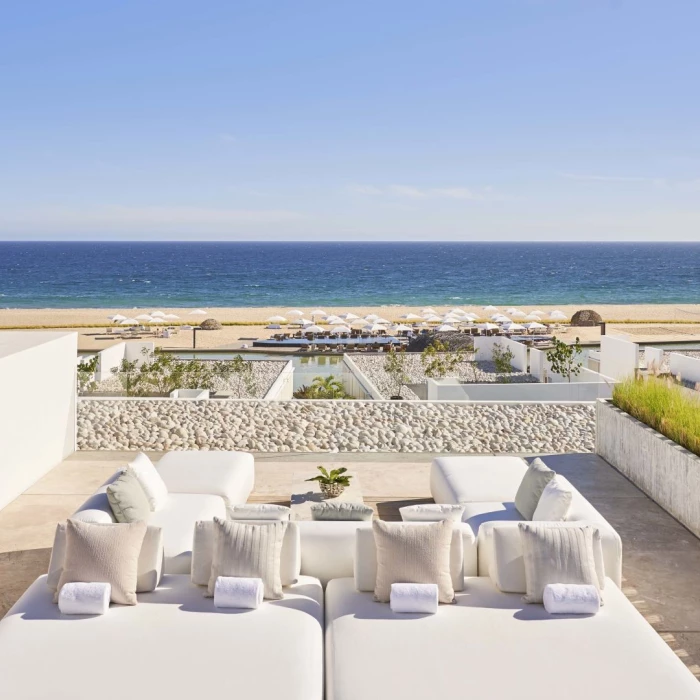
[(174, 644), (492, 645)]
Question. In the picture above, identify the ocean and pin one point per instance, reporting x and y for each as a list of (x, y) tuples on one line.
[(184, 274)]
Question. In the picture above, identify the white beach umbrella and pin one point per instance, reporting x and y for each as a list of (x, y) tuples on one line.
[(144, 317), (349, 316), (401, 327), (158, 314), (445, 327), (557, 315), (116, 318), (318, 312), (295, 312), (198, 312), (411, 317), (374, 327), (538, 312), (534, 324), (340, 329), (458, 311), (276, 319), (358, 322), (512, 310), (429, 311), (313, 328), (433, 319), (513, 327), (129, 322), (336, 322), (171, 317), (518, 314), (487, 326), (533, 317), (329, 319), (490, 309), (471, 316), (382, 321), (500, 318), (371, 317)]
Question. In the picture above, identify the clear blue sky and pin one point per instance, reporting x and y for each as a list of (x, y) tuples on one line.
[(464, 120)]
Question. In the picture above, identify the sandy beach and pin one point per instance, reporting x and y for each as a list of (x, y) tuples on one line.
[(638, 322)]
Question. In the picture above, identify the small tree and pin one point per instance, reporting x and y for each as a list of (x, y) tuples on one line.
[(395, 367), (128, 374), (563, 358), (502, 358), (86, 375), (241, 373), (438, 360)]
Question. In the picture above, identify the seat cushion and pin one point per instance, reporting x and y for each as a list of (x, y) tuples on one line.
[(474, 479), (174, 644), (476, 514), (496, 644), (226, 474), (177, 519)]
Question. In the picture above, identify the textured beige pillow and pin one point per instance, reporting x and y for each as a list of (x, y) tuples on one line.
[(249, 549), (413, 553), (557, 555), (104, 553), (127, 499), (537, 476)]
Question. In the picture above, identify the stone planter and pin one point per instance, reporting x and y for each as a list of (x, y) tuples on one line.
[(331, 490), (665, 471)]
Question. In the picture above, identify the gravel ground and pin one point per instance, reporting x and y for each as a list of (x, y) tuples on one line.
[(471, 372)]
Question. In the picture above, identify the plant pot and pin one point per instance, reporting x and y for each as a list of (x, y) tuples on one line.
[(331, 490)]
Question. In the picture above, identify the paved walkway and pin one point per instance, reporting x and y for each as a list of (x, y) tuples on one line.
[(661, 559)]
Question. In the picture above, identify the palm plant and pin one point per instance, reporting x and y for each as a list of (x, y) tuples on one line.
[(323, 388), (333, 482)]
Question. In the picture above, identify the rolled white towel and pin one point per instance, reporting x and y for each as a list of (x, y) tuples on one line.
[(414, 598), (84, 598), (571, 599), (235, 592)]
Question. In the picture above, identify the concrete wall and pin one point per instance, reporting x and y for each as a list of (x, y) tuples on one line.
[(483, 347), (687, 367), (108, 359), (342, 426), (538, 362), (282, 388), (37, 406), (653, 357), (449, 390), (619, 358), (357, 382), (666, 472)]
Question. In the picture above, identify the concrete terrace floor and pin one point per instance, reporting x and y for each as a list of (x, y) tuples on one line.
[(661, 558)]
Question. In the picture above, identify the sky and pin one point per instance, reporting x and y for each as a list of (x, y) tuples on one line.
[(381, 120)]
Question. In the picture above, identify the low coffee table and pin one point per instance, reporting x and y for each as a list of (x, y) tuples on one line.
[(304, 493)]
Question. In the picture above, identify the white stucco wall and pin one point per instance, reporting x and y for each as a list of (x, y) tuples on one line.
[(653, 357), (619, 358), (483, 348), (687, 367), (37, 406), (282, 388), (109, 358)]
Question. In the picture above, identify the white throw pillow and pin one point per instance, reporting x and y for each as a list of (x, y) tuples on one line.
[(151, 481), (537, 476), (431, 512), (341, 510), (259, 511), (555, 501), (557, 555)]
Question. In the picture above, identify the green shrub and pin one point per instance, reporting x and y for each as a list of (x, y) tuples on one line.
[(663, 406)]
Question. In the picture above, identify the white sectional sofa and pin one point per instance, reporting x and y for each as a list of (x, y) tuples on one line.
[(493, 644), (486, 487), (201, 485)]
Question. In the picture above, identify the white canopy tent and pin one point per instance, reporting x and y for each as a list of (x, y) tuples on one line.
[(445, 327)]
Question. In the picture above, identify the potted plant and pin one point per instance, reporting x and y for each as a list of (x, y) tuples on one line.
[(332, 483)]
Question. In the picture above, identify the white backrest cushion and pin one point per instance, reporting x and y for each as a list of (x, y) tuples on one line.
[(151, 481), (537, 476), (507, 567), (203, 553), (555, 501), (259, 511), (150, 566), (366, 558), (430, 512)]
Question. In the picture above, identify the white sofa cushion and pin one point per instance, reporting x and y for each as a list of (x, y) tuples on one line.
[(203, 553), (366, 556), (429, 512), (476, 514), (474, 479), (177, 520), (226, 474), (557, 555), (249, 549), (555, 501), (259, 511), (507, 567), (150, 564), (174, 644), (418, 554), (151, 481), (537, 476), (341, 510), (495, 644)]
